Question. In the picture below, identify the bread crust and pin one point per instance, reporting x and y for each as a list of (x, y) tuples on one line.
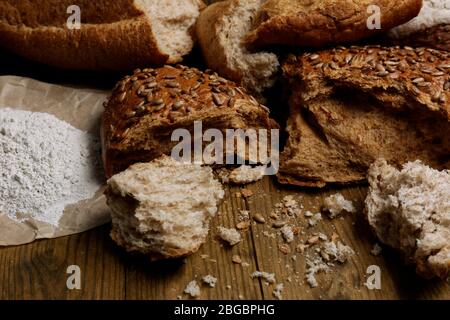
[(208, 28), (349, 106), (138, 121), (322, 23), (118, 36)]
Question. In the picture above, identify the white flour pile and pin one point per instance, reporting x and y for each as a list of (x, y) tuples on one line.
[(45, 164)]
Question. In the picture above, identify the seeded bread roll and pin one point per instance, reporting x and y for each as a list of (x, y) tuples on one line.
[(314, 23), (220, 30), (350, 106), (145, 109), (114, 34), (409, 210), (162, 209)]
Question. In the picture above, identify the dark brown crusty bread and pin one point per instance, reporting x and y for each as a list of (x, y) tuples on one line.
[(114, 34), (313, 23), (350, 106), (148, 106), (437, 37)]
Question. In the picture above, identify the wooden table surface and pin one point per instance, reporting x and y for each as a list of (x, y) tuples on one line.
[(38, 270)]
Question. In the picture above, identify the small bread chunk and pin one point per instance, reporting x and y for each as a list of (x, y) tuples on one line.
[(192, 289), (210, 280), (246, 174), (336, 204), (409, 210), (162, 208), (232, 236)]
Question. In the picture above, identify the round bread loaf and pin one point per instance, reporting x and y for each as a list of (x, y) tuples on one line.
[(145, 108)]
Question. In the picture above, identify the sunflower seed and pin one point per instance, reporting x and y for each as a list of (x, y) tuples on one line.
[(170, 76), (438, 74), (122, 96), (382, 73), (380, 68), (215, 89), (314, 57)]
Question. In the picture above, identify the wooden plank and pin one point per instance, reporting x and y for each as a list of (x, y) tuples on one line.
[(38, 270), (346, 281), (168, 280)]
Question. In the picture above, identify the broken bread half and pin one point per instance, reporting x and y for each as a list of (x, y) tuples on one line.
[(111, 35), (162, 208), (351, 106), (221, 28), (409, 210)]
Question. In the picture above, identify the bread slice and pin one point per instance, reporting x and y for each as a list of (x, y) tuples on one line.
[(147, 107), (114, 35), (409, 210), (432, 14), (322, 23), (162, 209), (350, 106), (220, 30)]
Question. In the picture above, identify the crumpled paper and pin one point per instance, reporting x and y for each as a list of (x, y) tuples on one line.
[(81, 108)]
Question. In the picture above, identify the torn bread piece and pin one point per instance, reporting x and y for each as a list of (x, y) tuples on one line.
[(409, 210), (162, 208), (220, 29), (112, 35)]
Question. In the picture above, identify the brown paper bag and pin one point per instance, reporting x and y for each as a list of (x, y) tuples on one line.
[(81, 108)]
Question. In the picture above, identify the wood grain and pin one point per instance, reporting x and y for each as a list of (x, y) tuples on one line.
[(38, 270)]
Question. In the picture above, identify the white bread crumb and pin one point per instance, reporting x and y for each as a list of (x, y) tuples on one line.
[(192, 289), (315, 218), (336, 251), (269, 277), (314, 266), (287, 234), (278, 290), (336, 204), (246, 174), (210, 280), (232, 236)]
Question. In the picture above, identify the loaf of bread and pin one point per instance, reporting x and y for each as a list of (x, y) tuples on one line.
[(432, 14), (350, 106), (314, 23), (220, 29), (146, 108), (409, 210), (162, 209), (114, 34)]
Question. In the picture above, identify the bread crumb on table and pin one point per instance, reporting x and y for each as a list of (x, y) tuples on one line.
[(287, 234), (210, 280), (231, 236), (192, 289), (278, 290), (335, 205), (246, 174), (268, 277)]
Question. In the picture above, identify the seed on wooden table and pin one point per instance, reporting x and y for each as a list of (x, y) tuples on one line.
[(259, 218), (279, 224)]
